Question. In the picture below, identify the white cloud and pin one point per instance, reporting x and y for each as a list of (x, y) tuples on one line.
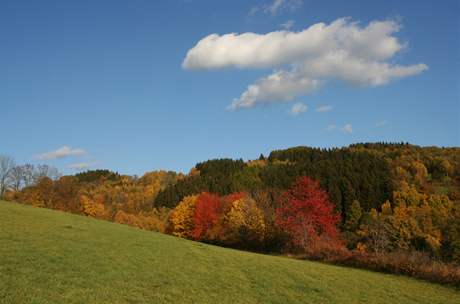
[(287, 25), (348, 128), (381, 123), (324, 108), (253, 10), (277, 6), (279, 86), (62, 152), (298, 108), (331, 127), (304, 60)]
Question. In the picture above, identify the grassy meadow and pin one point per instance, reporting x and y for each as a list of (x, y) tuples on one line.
[(48, 256)]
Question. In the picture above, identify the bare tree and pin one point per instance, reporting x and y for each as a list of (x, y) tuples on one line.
[(6, 165), (378, 236), (45, 170), (28, 171), (16, 177)]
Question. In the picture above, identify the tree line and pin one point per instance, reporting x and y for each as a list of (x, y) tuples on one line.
[(346, 175)]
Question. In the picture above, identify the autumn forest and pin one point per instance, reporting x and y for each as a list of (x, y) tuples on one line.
[(391, 207)]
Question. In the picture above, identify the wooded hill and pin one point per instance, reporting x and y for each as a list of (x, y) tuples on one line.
[(388, 199)]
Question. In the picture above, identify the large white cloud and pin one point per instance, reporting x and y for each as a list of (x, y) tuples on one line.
[(344, 50), (373, 42)]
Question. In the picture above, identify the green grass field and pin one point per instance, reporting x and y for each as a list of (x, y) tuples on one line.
[(52, 257)]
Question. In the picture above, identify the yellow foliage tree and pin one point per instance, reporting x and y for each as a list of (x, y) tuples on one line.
[(419, 172), (244, 222), (92, 208), (182, 217), (416, 222)]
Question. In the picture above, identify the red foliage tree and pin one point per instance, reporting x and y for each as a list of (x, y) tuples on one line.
[(207, 214), (307, 215), (230, 198)]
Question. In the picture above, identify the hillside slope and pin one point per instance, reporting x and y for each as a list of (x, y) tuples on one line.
[(52, 257)]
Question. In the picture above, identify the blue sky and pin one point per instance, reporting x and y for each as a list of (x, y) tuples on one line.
[(104, 80)]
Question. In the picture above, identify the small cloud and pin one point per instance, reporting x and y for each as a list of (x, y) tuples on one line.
[(287, 25), (277, 6), (324, 109), (253, 10), (274, 7), (381, 123), (298, 108), (62, 152), (348, 128), (331, 127)]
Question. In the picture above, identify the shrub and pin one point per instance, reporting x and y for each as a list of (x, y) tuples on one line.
[(413, 263)]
